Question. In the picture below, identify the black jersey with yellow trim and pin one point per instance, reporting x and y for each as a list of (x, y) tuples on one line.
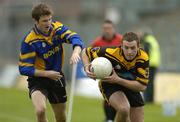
[(45, 51), (136, 69)]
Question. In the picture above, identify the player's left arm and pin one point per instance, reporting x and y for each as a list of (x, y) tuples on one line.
[(78, 45), (70, 37), (139, 84), (86, 59)]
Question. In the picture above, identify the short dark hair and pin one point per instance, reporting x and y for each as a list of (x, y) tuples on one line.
[(131, 36), (41, 9), (107, 21)]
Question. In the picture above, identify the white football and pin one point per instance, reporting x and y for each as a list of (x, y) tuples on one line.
[(101, 67)]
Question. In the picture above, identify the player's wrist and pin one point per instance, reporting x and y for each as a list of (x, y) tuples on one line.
[(86, 66)]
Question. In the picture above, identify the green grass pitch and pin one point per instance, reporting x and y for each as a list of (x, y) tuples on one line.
[(15, 106)]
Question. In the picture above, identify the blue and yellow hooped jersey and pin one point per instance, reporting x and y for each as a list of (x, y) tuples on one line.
[(45, 51), (136, 69)]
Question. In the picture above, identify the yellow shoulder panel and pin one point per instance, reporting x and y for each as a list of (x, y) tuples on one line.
[(112, 50), (143, 55), (31, 36), (57, 24)]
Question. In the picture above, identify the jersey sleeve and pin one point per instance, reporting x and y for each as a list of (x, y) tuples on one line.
[(27, 59), (142, 72), (69, 36), (93, 52)]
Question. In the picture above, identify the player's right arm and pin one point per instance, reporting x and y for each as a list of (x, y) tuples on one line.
[(86, 63), (27, 64)]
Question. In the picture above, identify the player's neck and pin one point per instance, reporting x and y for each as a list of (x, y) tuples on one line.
[(109, 39), (40, 31)]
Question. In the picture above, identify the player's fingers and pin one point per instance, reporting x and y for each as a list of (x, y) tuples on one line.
[(56, 73), (75, 59), (78, 59), (91, 75), (59, 76)]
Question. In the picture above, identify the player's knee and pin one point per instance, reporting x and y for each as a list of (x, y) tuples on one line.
[(40, 111), (123, 110)]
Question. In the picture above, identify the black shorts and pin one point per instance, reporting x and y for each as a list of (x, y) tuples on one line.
[(107, 89), (55, 91)]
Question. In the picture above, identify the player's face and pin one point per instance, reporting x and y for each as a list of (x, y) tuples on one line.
[(108, 30), (130, 49), (44, 23)]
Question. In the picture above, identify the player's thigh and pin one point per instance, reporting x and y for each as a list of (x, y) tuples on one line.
[(137, 114), (119, 100), (38, 99), (59, 109)]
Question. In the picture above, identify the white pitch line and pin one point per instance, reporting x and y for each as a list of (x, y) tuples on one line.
[(71, 95), (14, 118)]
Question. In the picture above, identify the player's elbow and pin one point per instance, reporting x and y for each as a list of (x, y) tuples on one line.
[(143, 88), (26, 71)]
